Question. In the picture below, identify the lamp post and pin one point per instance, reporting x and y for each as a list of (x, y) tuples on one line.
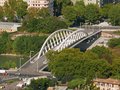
[(20, 63), (37, 66), (31, 55)]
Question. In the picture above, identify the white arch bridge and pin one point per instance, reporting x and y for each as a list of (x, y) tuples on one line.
[(58, 41)]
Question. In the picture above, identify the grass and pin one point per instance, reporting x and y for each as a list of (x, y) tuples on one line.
[(12, 81), (116, 32), (16, 59)]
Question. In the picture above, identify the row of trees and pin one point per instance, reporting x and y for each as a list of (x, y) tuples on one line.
[(21, 45), (71, 65), (44, 25), (17, 9), (91, 13)]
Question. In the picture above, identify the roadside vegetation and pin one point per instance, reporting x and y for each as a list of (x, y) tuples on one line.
[(79, 68), (40, 84), (21, 45), (11, 62)]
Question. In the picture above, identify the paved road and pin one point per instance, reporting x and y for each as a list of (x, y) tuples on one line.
[(31, 69)]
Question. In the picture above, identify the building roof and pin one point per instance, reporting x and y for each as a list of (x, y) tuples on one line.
[(8, 25), (109, 80)]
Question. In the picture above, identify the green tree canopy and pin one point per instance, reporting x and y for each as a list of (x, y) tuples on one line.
[(15, 8), (114, 14), (69, 13), (72, 64), (103, 53), (115, 42), (92, 13), (40, 84), (24, 44), (45, 25), (1, 13)]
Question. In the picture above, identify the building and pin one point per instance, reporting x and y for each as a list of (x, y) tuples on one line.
[(91, 2), (41, 4), (2, 2), (98, 2), (107, 84), (38, 3), (9, 27)]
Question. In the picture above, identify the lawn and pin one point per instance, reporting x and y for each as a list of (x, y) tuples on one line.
[(116, 32), (15, 59)]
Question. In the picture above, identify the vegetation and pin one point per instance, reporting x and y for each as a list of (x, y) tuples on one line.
[(115, 42), (115, 17), (79, 13), (15, 10), (71, 65), (25, 44), (5, 43), (21, 45), (40, 84), (44, 25), (7, 62)]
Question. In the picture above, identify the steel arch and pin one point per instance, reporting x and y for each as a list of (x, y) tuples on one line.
[(54, 40), (72, 38), (61, 39)]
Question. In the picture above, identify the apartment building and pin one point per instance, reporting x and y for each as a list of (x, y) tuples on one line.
[(2, 2), (98, 2), (107, 84), (39, 3)]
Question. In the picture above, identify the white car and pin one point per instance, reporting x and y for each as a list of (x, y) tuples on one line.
[(20, 85)]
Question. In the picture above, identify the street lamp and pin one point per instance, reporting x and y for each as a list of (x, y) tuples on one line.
[(31, 55), (37, 66), (20, 63)]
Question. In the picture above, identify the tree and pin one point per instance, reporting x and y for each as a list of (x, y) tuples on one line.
[(115, 68), (80, 8), (71, 64), (21, 8), (24, 44), (77, 83), (5, 43), (114, 17), (103, 53), (59, 4), (32, 13), (44, 12), (45, 25), (40, 84), (104, 11), (14, 9), (8, 12), (92, 13), (69, 13), (115, 42), (1, 13)]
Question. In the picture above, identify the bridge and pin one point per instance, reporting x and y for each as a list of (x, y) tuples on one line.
[(58, 40)]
